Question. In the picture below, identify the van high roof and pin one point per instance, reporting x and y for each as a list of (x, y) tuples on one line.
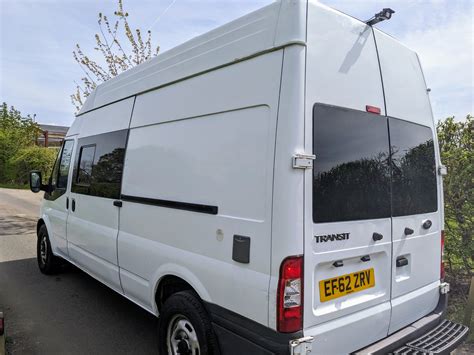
[(274, 26)]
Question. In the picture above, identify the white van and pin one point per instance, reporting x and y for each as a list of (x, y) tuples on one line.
[(272, 186)]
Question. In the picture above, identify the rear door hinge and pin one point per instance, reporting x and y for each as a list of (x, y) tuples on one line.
[(442, 170), (303, 161), (301, 346)]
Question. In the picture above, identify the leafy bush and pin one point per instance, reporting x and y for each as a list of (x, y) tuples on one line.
[(30, 158), (16, 132), (456, 142)]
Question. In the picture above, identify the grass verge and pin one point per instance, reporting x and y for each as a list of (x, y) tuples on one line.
[(14, 186)]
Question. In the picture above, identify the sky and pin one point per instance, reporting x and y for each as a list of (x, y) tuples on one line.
[(37, 37)]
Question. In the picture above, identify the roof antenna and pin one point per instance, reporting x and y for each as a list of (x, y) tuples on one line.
[(385, 14)]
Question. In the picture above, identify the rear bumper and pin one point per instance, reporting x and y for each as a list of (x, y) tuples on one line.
[(419, 337), (239, 335)]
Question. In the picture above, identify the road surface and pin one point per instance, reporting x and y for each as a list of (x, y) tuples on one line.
[(69, 313)]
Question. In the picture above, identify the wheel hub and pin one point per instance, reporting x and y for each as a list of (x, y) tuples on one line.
[(183, 347), (181, 337)]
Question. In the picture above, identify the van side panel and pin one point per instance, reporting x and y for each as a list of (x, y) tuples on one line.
[(209, 141), (287, 221), (106, 119)]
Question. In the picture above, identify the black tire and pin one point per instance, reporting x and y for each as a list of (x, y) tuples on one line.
[(187, 305), (47, 262)]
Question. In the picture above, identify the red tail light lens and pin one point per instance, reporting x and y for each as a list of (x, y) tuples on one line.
[(442, 273), (373, 109), (2, 325), (290, 295)]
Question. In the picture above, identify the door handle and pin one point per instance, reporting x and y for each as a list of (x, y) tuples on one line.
[(377, 236), (118, 203), (402, 261), (427, 224), (408, 231), (73, 205), (67, 203)]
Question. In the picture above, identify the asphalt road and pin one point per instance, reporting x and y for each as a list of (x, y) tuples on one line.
[(69, 313)]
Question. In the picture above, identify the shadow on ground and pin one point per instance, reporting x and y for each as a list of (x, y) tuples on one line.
[(69, 313), (17, 225)]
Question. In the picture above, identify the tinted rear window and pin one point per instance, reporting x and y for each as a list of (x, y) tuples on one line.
[(413, 168), (351, 171)]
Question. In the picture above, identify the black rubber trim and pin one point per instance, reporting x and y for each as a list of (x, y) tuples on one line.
[(194, 207), (237, 333), (411, 332)]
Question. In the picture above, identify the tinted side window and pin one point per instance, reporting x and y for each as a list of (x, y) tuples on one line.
[(60, 173), (100, 164), (63, 171), (84, 165), (413, 168), (54, 173), (351, 176)]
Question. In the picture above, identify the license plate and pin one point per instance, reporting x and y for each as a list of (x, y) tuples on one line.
[(346, 284)]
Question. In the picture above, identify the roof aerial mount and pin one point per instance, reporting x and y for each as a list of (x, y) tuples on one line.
[(385, 14)]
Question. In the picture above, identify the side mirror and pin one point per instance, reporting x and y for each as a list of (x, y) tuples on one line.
[(36, 183)]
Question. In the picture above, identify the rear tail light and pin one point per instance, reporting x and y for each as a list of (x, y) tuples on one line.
[(290, 295), (442, 273)]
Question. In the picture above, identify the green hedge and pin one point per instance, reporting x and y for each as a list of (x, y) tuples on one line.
[(30, 158)]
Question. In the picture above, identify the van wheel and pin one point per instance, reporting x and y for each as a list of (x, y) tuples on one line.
[(184, 327), (47, 262)]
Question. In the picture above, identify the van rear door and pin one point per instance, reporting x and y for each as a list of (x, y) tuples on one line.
[(347, 241), (417, 189), (348, 254)]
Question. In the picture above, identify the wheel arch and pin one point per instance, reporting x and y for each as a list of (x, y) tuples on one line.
[(44, 221), (173, 278), (40, 223)]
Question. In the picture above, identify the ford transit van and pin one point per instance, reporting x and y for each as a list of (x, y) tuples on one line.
[(273, 186)]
